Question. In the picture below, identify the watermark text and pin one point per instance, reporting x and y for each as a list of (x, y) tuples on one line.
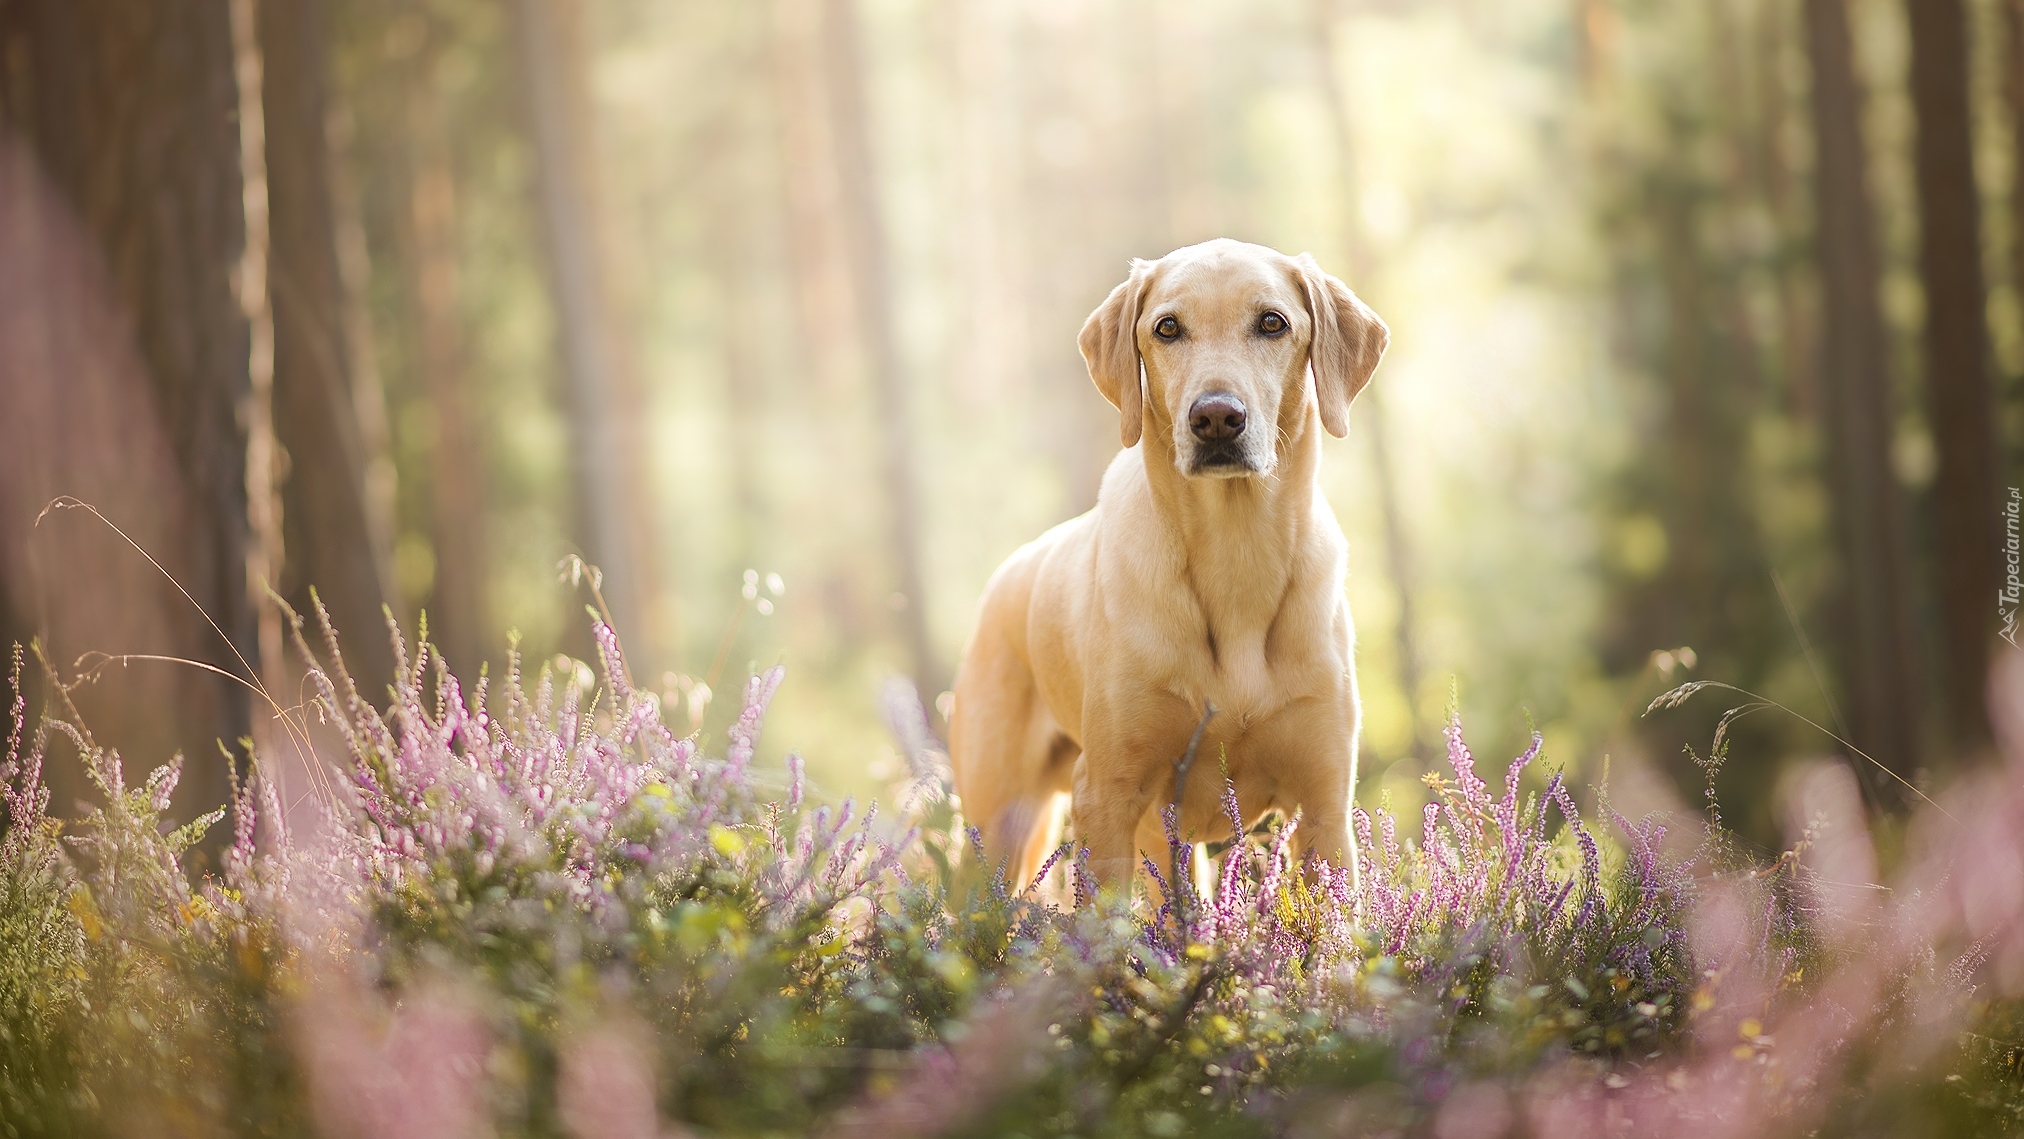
[(2011, 595)]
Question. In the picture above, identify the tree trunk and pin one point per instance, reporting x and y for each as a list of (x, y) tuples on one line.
[(1793, 334), (1880, 653), (741, 317), (2013, 91), (1960, 396), (1398, 548), (368, 389), (329, 542), (814, 242), (1693, 410), (870, 279), (602, 420), (134, 115), (263, 460), (81, 420), (456, 599)]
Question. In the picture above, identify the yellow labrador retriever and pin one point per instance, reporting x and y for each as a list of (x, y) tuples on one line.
[(1210, 573)]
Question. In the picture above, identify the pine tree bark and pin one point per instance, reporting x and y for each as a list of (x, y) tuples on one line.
[(1794, 334), (456, 601), (1398, 545), (731, 251), (81, 420), (602, 420), (814, 241), (1879, 652), (1960, 396), (328, 540), (2013, 94), (870, 279), (133, 112)]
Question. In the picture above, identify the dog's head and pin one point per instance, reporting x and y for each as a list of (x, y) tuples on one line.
[(1237, 342)]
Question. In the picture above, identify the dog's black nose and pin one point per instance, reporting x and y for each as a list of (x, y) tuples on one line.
[(1216, 417)]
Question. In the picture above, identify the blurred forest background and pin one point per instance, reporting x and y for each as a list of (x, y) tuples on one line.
[(1707, 341)]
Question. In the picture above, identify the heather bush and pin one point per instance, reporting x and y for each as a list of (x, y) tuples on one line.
[(534, 909)]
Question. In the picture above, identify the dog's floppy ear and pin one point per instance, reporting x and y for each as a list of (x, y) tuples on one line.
[(1109, 344), (1349, 340)]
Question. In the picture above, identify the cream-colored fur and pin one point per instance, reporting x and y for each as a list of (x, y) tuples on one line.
[(1208, 573)]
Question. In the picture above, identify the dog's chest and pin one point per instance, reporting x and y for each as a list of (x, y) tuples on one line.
[(1237, 679), (1250, 671)]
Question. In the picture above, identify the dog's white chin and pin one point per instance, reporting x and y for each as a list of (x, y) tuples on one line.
[(1238, 470), (1223, 472)]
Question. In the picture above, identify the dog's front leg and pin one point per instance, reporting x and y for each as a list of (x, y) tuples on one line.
[(1313, 754), (1110, 797), (1325, 832)]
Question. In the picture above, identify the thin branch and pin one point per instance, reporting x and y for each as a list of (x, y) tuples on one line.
[(1187, 759)]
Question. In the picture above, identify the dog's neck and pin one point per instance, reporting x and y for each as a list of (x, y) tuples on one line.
[(1239, 532)]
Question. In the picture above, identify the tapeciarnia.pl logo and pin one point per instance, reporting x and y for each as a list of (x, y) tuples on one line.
[(2008, 597)]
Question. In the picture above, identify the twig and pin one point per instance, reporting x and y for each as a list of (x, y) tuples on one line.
[(1187, 759), (1181, 767), (1175, 1020)]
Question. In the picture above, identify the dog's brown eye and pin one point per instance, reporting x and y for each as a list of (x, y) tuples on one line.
[(1167, 328), (1271, 324)]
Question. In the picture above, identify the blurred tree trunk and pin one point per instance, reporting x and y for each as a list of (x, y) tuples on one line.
[(1739, 110), (2013, 91), (1361, 269), (1794, 333), (862, 229), (1693, 408), (814, 245), (264, 459), (133, 111), (741, 317), (602, 415), (81, 419), (1880, 655), (1082, 202), (368, 389), (1961, 399), (327, 534), (456, 601), (978, 69)]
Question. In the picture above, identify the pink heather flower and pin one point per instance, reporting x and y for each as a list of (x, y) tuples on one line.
[(744, 733), (946, 1086), (606, 1089), (411, 1072)]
